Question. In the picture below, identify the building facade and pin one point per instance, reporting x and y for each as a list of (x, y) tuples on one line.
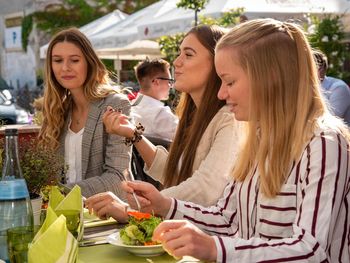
[(19, 67)]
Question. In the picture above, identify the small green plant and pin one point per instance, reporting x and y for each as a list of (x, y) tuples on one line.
[(41, 166)]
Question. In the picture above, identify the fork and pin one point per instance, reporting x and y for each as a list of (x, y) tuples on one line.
[(127, 174)]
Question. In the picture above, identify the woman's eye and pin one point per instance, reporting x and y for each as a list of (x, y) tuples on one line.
[(229, 83), (75, 60), (188, 55), (57, 60)]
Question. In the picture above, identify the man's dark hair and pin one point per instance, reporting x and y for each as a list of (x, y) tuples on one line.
[(150, 69)]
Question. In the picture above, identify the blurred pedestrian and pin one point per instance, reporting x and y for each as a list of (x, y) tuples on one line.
[(336, 91)]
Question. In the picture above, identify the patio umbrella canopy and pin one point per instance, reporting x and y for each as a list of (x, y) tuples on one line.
[(104, 22), (126, 31), (137, 50), (95, 27), (178, 20)]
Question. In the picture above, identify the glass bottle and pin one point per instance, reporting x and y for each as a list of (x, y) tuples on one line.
[(15, 206)]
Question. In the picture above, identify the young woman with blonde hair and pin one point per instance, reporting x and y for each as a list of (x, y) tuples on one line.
[(289, 198), (77, 93), (204, 148)]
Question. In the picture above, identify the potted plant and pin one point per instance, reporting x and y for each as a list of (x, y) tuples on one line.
[(41, 167)]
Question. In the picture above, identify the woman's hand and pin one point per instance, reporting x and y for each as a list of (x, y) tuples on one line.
[(181, 238), (107, 204), (117, 123), (150, 199)]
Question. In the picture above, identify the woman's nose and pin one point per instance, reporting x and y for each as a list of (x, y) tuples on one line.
[(222, 93), (65, 65), (177, 62)]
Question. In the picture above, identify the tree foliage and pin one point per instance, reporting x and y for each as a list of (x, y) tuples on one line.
[(228, 19), (195, 5), (328, 36), (169, 46), (192, 4)]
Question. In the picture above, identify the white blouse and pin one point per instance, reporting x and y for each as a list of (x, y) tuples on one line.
[(72, 155)]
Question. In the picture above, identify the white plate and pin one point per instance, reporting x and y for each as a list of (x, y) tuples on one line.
[(142, 251)]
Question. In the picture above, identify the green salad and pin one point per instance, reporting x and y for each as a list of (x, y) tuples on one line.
[(140, 229)]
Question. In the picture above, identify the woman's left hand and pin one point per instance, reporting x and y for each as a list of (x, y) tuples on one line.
[(181, 238)]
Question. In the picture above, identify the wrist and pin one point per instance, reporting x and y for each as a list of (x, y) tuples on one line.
[(165, 207), (130, 132), (136, 135)]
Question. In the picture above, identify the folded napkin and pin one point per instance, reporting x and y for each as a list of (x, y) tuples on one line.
[(68, 205), (53, 243)]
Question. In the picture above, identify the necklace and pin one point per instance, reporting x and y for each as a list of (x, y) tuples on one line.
[(75, 120), (79, 118)]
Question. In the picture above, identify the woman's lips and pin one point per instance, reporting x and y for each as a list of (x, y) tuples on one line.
[(68, 77)]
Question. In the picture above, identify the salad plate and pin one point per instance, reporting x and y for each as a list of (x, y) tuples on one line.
[(142, 251)]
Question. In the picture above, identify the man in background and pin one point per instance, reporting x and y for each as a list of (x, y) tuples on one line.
[(155, 81), (335, 90)]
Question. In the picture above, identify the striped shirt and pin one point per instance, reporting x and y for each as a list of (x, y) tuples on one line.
[(308, 221)]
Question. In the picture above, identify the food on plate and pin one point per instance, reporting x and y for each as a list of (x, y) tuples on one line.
[(140, 229)]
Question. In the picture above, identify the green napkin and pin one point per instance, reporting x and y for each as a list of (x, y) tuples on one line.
[(53, 243), (68, 205)]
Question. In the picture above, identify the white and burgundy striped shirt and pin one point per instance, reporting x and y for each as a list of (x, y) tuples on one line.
[(308, 221)]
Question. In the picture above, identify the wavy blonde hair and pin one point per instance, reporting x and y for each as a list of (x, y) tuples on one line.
[(286, 105), (57, 99)]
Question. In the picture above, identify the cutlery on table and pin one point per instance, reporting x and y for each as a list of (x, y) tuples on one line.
[(128, 176)]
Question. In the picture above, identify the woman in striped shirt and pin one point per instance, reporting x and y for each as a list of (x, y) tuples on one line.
[(289, 200)]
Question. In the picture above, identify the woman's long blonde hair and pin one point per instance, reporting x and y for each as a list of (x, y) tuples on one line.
[(286, 105), (57, 99)]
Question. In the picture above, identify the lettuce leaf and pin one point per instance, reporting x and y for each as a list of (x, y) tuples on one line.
[(137, 232)]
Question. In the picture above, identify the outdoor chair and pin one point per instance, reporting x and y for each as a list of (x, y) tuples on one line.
[(137, 163)]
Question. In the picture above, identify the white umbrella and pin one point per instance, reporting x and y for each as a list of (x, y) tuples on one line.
[(126, 32), (137, 50), (104, 22), (181, 20), (95, 27)]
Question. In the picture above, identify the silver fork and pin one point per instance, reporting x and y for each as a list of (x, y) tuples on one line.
[(127, 174)]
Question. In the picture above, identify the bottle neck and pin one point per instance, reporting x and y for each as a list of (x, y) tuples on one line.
[(11, 169)]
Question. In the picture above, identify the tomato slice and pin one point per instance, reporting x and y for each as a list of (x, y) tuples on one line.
[(139, 215)]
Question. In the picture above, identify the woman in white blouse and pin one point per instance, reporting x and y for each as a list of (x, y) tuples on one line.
[(77, 93), (289, 200)]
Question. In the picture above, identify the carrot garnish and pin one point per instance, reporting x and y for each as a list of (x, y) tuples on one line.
[(150, 243), (139, 215)]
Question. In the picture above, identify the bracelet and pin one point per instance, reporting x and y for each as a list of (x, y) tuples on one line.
[(139, 129)]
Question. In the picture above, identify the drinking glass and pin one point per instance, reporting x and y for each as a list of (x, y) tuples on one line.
[(72, 220), (18, 239)]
